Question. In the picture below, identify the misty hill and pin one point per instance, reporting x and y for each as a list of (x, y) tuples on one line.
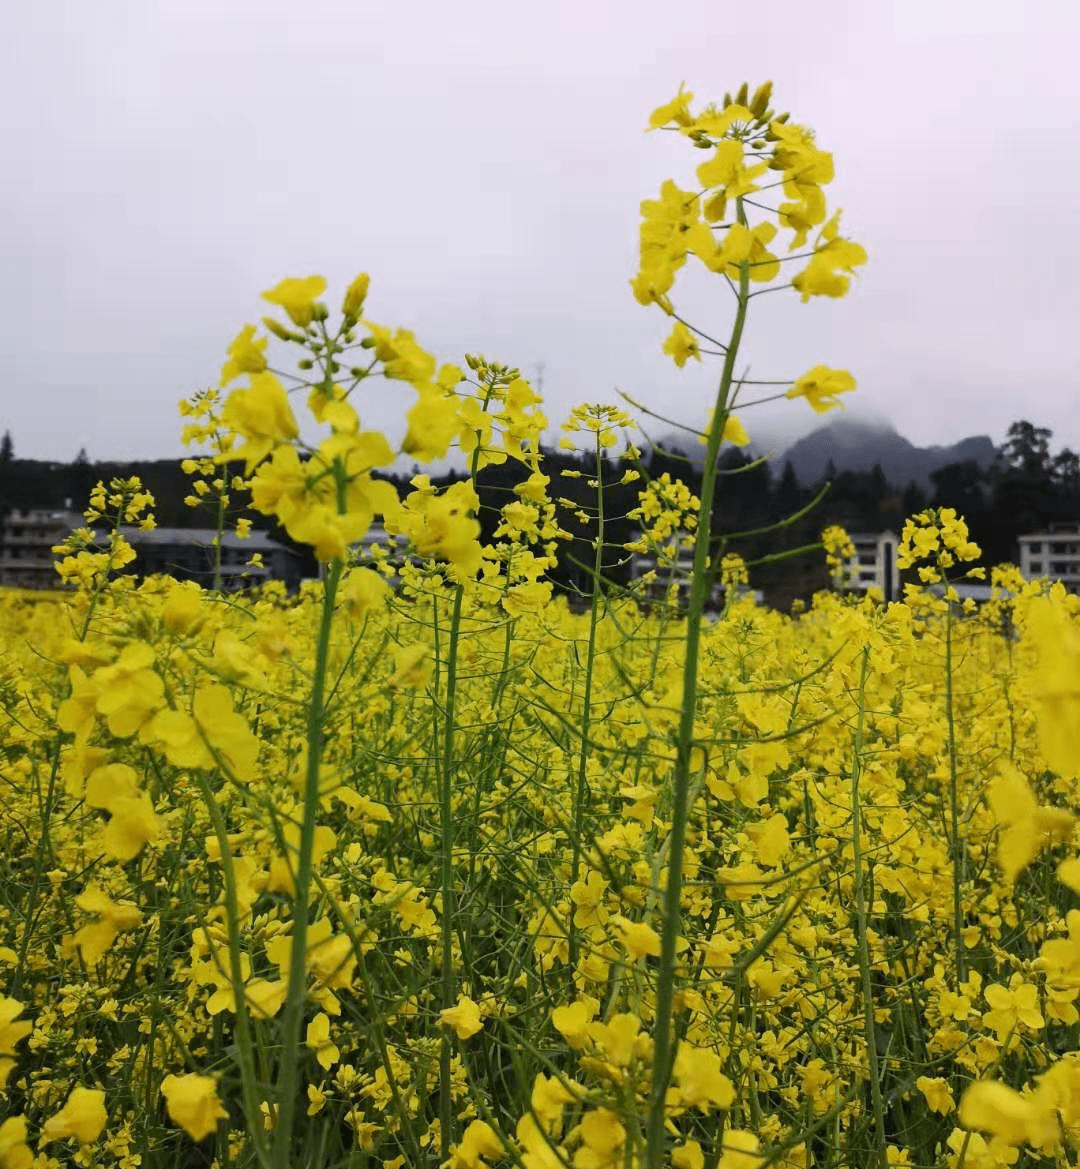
[(857, 445)]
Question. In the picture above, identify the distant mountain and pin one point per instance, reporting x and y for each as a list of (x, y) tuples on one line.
[(855, 445)]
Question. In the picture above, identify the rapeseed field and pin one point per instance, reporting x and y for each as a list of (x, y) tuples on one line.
[(423, 866)]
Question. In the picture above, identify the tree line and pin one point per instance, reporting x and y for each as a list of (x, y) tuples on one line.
[(1027, 488)]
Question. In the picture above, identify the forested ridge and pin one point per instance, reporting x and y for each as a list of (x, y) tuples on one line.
[(1027, 487)]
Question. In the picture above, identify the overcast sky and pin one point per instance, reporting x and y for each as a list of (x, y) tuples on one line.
[(165, 162)]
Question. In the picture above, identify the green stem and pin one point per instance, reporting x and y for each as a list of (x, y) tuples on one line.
[(244, 1046), (956, 845), (664, 1037), (217, 541), (446, 843), (446, 872), (860, 915), (581, 791), (287, 1088)]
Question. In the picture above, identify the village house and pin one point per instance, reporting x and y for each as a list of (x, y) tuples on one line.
[(1054, 553), (26, 542), (27, 539), (874, 564)]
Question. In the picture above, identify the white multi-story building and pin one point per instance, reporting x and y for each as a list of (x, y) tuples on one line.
[(28, 537), (1054, 554), (874, 564), (26, 543), (678, 569)]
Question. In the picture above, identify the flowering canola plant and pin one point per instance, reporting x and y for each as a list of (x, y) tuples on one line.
[(421, 866)]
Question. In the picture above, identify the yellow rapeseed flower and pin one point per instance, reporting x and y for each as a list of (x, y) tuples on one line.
[(83, 1117), (821, 386), (192, 1103), (464, 1018), (1016, 1119), (298, 296)]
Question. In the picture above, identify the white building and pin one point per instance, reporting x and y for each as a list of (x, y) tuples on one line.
[(681, 568), (678, 569), (874, 564), (1054, 554), (28, 537), (26, 543), (376, 538)]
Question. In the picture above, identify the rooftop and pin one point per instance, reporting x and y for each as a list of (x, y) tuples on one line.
[(1048, 533), (202, 538)]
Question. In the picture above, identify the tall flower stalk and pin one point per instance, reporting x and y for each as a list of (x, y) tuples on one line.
[(745, 140), (664, 1037), (287, 1089)]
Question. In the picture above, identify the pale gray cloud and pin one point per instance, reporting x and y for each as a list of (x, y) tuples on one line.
[(484, 161)]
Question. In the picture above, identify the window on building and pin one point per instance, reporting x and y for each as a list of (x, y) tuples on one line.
[(1035, 546), (868, 558), (1059, 567), (1036, 566)]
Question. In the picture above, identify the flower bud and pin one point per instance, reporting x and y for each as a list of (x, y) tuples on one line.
[(742, 95), (280, 331), (761, 100), (355, 296)]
